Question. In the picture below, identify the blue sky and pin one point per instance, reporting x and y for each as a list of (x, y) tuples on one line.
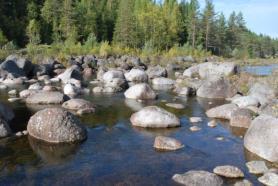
[(261, 16)]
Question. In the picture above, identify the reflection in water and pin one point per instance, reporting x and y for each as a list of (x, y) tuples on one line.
[(53, 153), (210, 103)]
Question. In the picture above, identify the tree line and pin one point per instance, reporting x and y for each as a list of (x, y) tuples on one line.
[(138, 24)]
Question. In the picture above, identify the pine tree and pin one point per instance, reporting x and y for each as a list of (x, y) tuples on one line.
[(208, 20), (193, 14)]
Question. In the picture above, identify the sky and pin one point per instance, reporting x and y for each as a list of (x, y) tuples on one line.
[(261, 16)]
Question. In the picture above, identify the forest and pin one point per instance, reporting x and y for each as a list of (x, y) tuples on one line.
[(128, 26)]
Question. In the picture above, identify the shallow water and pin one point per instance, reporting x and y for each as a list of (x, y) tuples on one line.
[(263, 70), (115, 153)]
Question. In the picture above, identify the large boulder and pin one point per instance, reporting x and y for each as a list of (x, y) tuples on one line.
[(55, 125), (245, 101), (262, 92), (217, 88), (71, 90), (46, 97), (154, 117), (198, 178), (10, 67), (222, 112), (270, 109), (261, 137), (156, 71), (136, 76), (241, 118), (163, 81), (112, 74), (140, 91), (211, 69), (71, 73)]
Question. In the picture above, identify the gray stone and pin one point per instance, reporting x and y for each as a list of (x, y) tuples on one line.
[(46, 97), (4, 128), (241, 118), (261, 137), (71, 73), (257, 167), (163, 81), (137, 76), (154, 117), (222, 112), (243, 183), (262, 92), (56, 125), (245, 101), (269, 179), (140, 91), (166, 143), (228, 171), (198, 178), (156, 71), (78, 104)]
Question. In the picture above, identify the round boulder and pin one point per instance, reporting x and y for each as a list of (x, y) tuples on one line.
[(166, 143), (136, 75), (56, 125), (261, 137), (154, 117), (78, 104), (140, 91)]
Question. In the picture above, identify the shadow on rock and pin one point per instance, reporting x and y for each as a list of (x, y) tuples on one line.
[(53, 153)]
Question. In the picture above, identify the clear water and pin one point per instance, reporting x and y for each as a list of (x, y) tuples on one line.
[(264, 70), (115, 153)]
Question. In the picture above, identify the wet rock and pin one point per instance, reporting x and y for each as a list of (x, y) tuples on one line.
[(198, 178), (12, 92), (261, 137), (163, 81), (269, 179), (140, 91), (257, 167), (45, 97), (156, 71), (166, 143), (222, 112), (88, 73), (228, 171), (212, 123), (262, 92), (195, 128), (241, 118), (183, 91), (195, 119), (245, 101), (3, 87), (13, 100), (117, 83), (154, 117), (56, 125), (137, 76), (10, 67), (4, 128), (175, 105), (243, 183), (216, 88), (78, 104)]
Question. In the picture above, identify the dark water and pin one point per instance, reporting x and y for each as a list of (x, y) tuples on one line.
[(264, 70), (116, 153)]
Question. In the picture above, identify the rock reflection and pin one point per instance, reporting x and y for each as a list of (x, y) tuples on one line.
[(35, 107), (134, 105), (53, 153)]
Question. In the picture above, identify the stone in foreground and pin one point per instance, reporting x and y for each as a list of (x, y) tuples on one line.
[(243, 183), (222, 112), (198, 178), (261, 137), (257, 167), (46, 97), (154, 117), (56, 125), (269, 179), (166, 143), (228, 171)]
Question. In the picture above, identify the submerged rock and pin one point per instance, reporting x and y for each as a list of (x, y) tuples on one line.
[(79, 104), (56, 125), (140, 91), (198, 178), (228, 171), (261, 137), (154, 117), (166, 143)]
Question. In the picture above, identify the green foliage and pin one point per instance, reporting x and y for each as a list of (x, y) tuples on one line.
[(3, 39)]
